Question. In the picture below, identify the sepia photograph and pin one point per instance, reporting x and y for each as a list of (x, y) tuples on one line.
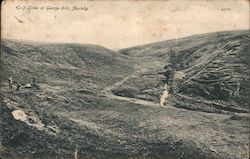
[(125, 79)]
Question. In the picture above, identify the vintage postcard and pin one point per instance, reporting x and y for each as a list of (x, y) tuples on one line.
[(126, 79)]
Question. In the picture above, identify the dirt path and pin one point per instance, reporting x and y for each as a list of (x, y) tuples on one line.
[(117, 84), (108, 93), (133, 100)]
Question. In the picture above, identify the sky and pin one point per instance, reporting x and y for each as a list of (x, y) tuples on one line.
[(119, 24)]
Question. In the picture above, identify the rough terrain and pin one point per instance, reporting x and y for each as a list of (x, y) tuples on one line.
[(105, 104)]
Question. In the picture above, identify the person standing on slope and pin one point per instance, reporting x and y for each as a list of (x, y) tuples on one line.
[(18, 86), (34, 80), (10, 81)]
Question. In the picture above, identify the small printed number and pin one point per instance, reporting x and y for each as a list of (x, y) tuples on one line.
[(225, 9)]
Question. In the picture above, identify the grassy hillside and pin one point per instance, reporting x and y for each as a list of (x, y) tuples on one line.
[(88, 66), (214, 67), (105, 104), (69, 76)]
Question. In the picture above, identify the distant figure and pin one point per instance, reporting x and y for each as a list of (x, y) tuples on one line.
[(10, 83), (34, 80), (18, 86)]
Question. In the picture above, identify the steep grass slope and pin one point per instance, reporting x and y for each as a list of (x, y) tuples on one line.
[(213, 67)]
